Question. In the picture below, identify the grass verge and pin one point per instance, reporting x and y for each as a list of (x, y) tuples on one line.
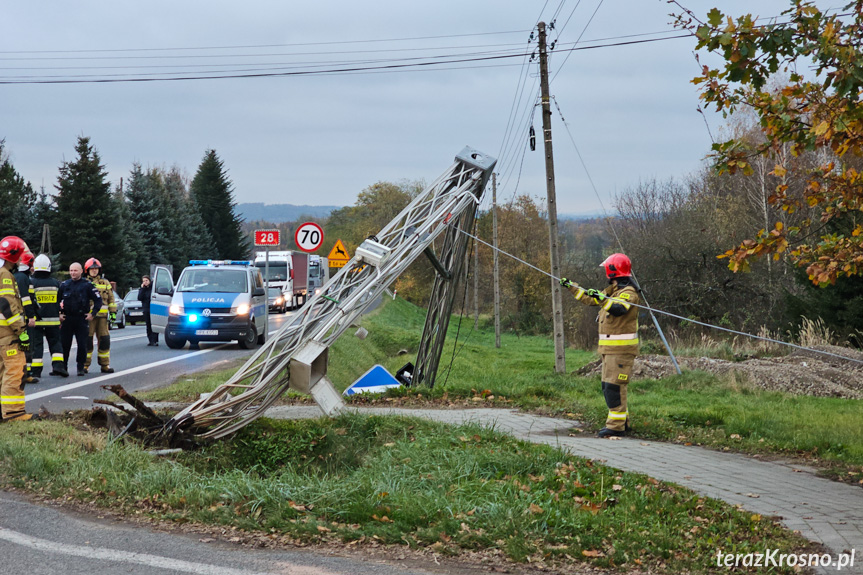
[(396, 481), (696, 407)]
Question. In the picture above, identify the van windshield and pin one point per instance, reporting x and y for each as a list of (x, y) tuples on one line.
[(278, 271), (213, 281)]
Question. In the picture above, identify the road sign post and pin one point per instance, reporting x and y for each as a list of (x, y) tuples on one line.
[(267, 238)]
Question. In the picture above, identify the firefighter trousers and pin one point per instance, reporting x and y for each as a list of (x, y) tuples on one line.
[(12, 363), (37, 346), (616, 373), (99, 328)]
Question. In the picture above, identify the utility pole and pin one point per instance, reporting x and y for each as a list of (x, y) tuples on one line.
[(556, 298), (496, 270)]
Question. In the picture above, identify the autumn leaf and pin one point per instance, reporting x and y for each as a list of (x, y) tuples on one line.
[(592, 553)]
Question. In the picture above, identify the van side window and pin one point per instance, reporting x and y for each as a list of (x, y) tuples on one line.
[(259, 282)]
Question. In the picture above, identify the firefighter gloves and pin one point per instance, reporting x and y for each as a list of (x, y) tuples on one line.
[(565, 282), (596, 294), (24, 341)]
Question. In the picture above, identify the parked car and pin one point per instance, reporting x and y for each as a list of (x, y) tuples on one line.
[(133, 307), (120, 322)]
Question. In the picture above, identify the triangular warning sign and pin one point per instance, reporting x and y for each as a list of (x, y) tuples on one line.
[(339, 255)]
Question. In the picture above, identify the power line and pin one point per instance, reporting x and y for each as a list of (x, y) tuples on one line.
[(577, 40), (233, 47), (326, 72)]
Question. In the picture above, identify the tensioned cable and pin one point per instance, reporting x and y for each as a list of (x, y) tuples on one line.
[(519, 89), (690, 320), (614, 230)]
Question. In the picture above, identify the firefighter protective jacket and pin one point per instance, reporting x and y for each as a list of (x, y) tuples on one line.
[(618, 318), (12, 322), (106, 292), (25, 290), (46, 290), (76, 295)]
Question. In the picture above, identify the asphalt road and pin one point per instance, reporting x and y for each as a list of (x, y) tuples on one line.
[(42, 540), (138, 367)]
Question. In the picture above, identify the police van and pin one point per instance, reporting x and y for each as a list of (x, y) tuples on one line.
[(213, 300)]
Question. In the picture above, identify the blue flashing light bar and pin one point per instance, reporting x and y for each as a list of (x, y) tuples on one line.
[(220, 262)]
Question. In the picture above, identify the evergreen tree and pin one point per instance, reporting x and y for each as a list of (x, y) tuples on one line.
[(17, 199), (88, 223), (173, 194), (196, 240), (144, 209), (132, 260), (213, 193)]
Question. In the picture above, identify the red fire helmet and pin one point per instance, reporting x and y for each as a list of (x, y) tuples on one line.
[(12, 248), (617, 265)]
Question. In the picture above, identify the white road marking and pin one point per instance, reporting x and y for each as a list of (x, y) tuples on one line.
[(100, 379), (104, 554), (75, 397)]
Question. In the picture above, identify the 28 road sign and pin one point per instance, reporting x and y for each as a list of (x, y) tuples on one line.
[(267, 238), (309, 236)]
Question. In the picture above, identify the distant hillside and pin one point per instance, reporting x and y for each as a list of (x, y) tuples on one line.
[(277, 213)]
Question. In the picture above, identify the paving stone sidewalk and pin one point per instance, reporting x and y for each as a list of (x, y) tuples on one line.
[(825, 511)]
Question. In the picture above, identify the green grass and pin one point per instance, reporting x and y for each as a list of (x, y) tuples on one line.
[(696, 407), (398, 481)]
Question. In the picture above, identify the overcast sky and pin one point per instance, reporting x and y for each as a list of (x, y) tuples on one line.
[(320, 139)]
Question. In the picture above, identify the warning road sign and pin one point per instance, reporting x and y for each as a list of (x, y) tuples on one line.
[(338, 255)]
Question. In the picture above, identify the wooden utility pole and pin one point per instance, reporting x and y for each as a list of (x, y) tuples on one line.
[(494, 251), (556, 298)]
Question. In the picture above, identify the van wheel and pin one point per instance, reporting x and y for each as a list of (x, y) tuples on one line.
[(251, 338), (175, 343)]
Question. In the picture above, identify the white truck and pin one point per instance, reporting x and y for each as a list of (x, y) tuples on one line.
[(319, 273), (289, 271)]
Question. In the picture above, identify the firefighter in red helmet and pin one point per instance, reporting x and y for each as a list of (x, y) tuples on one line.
[(100, 322), (618, 336), (14, 340)]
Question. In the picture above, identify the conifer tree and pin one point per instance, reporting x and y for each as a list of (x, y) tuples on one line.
[(17, 199), (143, 206), (173, 206), (87, 224), (213, 193), (132, 260)]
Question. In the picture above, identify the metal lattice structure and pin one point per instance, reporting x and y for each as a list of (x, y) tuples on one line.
[(296, 356)]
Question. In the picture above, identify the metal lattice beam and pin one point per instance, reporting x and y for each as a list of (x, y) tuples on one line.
[(450, 202)]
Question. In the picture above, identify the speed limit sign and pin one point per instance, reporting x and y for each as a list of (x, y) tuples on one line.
[(309, 236)]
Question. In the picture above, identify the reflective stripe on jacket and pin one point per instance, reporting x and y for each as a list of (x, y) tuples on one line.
[(46, 290), (618, 318), (106, 292), (12, 321)]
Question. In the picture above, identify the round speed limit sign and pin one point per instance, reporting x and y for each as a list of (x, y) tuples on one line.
[(309, 236)]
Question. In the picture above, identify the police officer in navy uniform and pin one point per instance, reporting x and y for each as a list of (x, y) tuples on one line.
[(76, 295)]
